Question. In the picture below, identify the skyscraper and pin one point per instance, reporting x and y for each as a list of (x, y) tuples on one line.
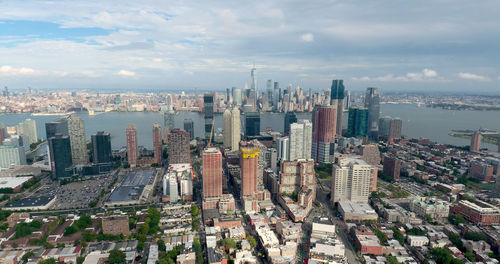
[(208, 110), (132, 149), (358, 122), (101, 145), (276, 96), (290, 118), (189, 127), (3, 133), (283, 148), (235, 129), (227, 128), (252, 124), (212, 173), (384, 124), (475, 143), (253, 75), (395, 129), (58, 126), (178, 147), (237, 100), (323, 138), (372, 102), (169, 119), (157, 144), (337, 100), (76, 131), (300, 140), (352, 180), (60, 156), (249, 169), (29, 128), (392, 167)]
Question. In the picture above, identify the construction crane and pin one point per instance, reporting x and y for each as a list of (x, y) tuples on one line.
[(211, 133)]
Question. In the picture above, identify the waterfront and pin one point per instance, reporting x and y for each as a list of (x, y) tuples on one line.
[(432, 123)]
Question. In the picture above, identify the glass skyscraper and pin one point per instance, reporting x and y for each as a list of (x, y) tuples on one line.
[(358, 122)]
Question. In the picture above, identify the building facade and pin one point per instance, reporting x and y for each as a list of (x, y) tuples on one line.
[(178, 147), (132, 148), (61, 161), (337, 92), (157, 144), (358, 122), (101, 145), (76, 132), (352, 180), (11, 155), (212, 173), (300, 140), (323, 137)]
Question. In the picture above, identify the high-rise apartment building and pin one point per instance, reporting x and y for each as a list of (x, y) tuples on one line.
[(395, 129), (237, 96), (76, 131), (101, 145), (358, 122), (284, 148), (212, 173), (235, 129), (169, 119), (189, 127), (300, 140), (29, 129), (252, 124), (249, 158), (323, 138), (60, 156), (157, 144), (352, 180), (178, 147), (475, 143), (132, 148), (337, 101), (384, 124), (208, 110), (227, 128), (372, 103), (290, 118), (392, 167)]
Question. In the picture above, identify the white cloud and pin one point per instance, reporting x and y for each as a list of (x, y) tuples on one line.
[(9, 71), (308, 37), (429, 73), (126, 73), (425, 75), (474, 77)]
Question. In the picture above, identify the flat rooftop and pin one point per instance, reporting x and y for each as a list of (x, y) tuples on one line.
[(31, 201), (132, 186), (13, 182), (356, 208)]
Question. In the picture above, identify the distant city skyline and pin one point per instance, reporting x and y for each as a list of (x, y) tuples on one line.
[(405, 46)]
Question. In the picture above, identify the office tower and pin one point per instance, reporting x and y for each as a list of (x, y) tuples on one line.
[(237, 100), (60, 156), (352, 180), (372, 102), (253, 75), (3, 133), (169, 119), (132, 149), (58, 126), (323, 138), (212, 173), (276, 96), (189, 127), (169, 103), (392, 167), (252, 124), (29, 129), (475, 143), (284, 148), (249, 169), (228, 96), (227, 128), (178, 147), (358, 122), (290, 118), (384, 124), (208, 110), (300, 140), (101, 145), (235, 129), (395, 129), (269, 91), (157, 145), (11, 155), (76, 131), (347, 100), (337, 101)]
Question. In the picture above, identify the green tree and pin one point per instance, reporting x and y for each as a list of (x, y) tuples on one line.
[(116, 256), (47, 261), (161, 246), (27, 255), (476, 236), (470, 256), (251, 240), (198, 251), (228, 243), (398, 235), (456, 219), (194, 210)]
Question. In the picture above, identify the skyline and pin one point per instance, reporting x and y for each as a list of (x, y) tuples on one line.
[(156, 46)]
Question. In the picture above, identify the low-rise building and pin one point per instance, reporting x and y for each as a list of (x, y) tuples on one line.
[(417, 241), (368, 244), (433, 207), (479, 213), (357, 211)]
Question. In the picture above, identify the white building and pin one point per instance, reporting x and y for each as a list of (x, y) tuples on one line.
[(322, 231), (235, 129), (300, 140), (433, 207), (417, 241), (327, 252), (227, 128), (284, 149), (351, 181), (11, 155), (29, 129), (178, 182), (76, 131)]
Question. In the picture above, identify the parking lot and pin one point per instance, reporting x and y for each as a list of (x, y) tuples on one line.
[(77, 194)]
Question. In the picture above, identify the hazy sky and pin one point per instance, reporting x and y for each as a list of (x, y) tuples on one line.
[(395, 45)]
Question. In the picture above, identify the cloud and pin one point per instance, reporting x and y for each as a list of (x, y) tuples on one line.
[(474, 77), (9, 71), (308, 37), (429, 73), (424, 75), (126, 73)]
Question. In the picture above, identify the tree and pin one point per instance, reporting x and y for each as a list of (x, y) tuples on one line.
[(443, 256), (80, 260), (391, 259), (456, 219), (47, 261), (228, 243), (27, 255), (198, 251), (457, 242), (470, 256), (116, 256), (398, 235), (161, 246), (251, 240), (194, 210), (476, 236)]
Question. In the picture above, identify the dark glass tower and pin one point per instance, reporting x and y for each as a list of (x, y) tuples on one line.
[(101, 145), (252, 124), (58, 126), (372, 102), (208, 110), (290, 118), (189, 127), (60, 156), (358, 122), (337, 100)]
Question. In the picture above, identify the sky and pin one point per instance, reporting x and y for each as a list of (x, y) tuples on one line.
[(448, 46)]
